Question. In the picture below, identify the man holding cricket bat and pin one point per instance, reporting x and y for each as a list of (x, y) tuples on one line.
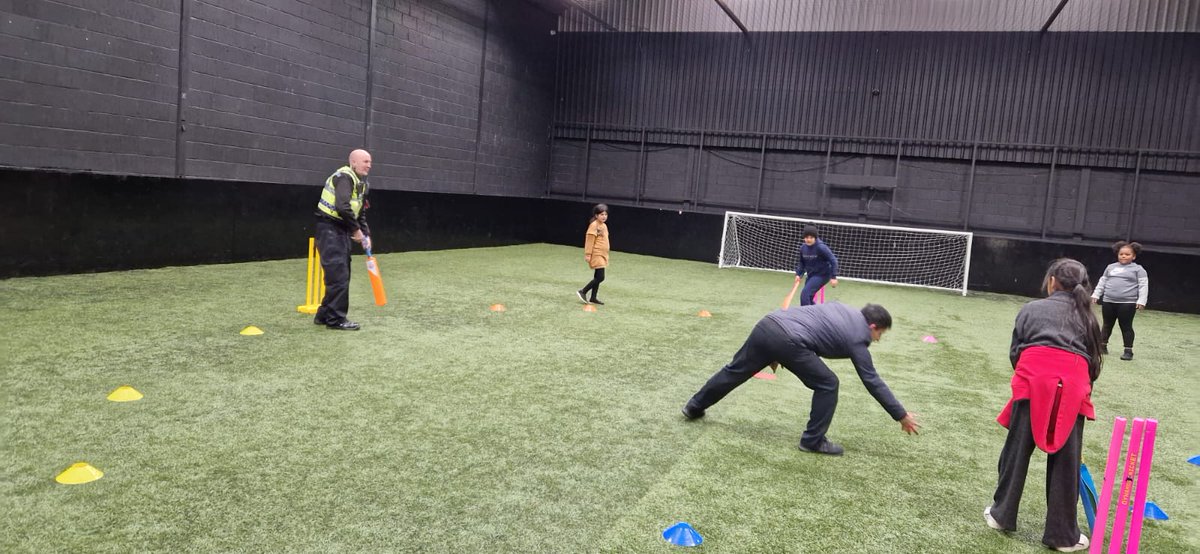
[(341, 218), (798, 338)]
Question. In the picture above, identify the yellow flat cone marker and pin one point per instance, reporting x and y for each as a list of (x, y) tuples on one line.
[(252, 330), (705, 313), (78, 474), (497, 308), (589, 308), (124, 393)]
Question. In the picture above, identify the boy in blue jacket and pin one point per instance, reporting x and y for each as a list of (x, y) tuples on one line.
[(818, 261)]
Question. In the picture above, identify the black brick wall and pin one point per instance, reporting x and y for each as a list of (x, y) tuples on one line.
[(277, 90)]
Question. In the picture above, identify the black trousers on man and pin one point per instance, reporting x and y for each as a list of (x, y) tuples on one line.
[(769, 343), (1062, 479), (333, 243)]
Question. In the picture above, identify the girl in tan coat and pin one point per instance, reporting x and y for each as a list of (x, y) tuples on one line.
[(595, 253)]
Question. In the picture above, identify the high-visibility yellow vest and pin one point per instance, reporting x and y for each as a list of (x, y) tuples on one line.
[(328, 203)]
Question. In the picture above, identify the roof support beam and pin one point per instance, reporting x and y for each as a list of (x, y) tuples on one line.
[(729, 12), (592, 16), (1054, 15)]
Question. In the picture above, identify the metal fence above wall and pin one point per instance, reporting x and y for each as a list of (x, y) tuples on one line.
[(1055, 192)]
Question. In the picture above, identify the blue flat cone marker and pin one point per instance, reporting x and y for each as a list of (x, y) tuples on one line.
[(1154, 512), (124, 393), (682, 534), (78, 474), (252, 330), (1194, 460)]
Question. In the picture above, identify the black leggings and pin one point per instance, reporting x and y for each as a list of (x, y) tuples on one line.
[(1122, 314), (594, 284)]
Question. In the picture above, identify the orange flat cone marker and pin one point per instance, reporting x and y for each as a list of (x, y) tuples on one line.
[(589, 308), (497, 308), (705, 313), (124, 393), (78, 474), (252, 330)]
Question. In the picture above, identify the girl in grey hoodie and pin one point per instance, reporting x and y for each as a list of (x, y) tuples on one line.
[(1123, 290)]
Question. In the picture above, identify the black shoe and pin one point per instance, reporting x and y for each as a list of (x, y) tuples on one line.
[(579, 294), (318, 322), (1104, 348), (596, 302), (827, 447), (343, 326), (1128, 355), (692, 412)]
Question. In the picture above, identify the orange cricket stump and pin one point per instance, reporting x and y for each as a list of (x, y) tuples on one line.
[(704, 313), (589, 308), (497, 308)]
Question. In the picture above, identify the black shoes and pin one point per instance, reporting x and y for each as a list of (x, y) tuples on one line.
[(826, 447), (1127, 355), (346, 325), (596, 302), (579, 294), (1104, 348), (692, 412)]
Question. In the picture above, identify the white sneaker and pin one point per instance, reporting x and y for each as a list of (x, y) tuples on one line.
[(991, 521), (1083, 544)]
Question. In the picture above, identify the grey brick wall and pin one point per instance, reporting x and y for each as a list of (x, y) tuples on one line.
[(84, 91), (278, 90)]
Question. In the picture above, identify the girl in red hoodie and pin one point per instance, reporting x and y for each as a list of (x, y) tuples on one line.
[(1056, 357)]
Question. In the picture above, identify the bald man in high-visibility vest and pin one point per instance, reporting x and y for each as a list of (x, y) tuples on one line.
[(341, 218)]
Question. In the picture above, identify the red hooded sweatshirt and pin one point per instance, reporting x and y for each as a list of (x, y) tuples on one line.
[(1059, 389)]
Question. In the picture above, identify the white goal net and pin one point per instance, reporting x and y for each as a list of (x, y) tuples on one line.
[(876, 253)]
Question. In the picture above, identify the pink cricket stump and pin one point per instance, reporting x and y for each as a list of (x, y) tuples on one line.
[(819, 297), (1143, 484), (1110, 472), (1131, 460)]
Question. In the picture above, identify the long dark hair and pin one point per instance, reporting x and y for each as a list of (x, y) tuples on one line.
[(1072, 277), (597, 210)]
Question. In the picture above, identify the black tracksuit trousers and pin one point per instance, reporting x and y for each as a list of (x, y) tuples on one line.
[(1062, 479), (769, 343)]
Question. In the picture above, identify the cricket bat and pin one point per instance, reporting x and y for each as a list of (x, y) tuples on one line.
[(376, 279), (787, 301)]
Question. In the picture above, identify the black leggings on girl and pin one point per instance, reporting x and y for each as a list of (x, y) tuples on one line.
[(1122, 314), (594, 284)]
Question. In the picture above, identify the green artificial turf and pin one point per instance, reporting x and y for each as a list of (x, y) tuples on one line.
[(445, 427)]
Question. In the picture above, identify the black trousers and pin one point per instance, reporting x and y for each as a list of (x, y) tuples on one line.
[(811, 286), (1122, 314), (769, 343), (333, 243), (1062, 479), (594, 284)]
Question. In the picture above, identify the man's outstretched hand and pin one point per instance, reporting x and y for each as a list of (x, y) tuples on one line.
[(909, 424)]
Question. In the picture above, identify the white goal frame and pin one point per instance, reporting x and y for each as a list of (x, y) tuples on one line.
[(725, 260)]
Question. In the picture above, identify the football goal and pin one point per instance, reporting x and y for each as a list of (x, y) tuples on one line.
[(874, 253)]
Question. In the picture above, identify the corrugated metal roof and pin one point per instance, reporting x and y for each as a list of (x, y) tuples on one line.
[(885, 15)]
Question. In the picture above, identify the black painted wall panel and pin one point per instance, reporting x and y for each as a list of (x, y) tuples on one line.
[(67, 223), (1053, 88)]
